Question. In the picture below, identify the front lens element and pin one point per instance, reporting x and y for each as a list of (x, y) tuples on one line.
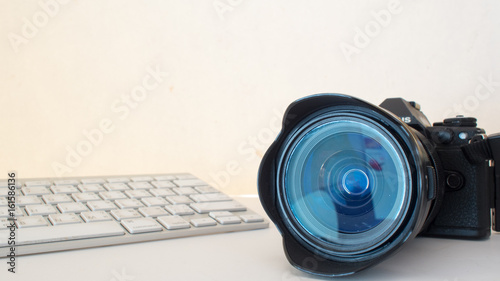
[(355, 182), (345, 183)]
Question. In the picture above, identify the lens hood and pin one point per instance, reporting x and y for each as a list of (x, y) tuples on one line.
[(303, 250)]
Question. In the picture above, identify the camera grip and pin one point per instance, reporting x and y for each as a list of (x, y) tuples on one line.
[(465, 212), (494, 144)]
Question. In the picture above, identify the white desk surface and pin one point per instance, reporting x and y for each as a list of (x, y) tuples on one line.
[(251, 255)]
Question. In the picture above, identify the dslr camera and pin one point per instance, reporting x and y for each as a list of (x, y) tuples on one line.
[(347, 183)]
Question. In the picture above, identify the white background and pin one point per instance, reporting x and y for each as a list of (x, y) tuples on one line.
[(233, 68)]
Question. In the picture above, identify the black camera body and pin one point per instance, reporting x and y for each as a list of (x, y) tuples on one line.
[(347, 183), (466, 186)]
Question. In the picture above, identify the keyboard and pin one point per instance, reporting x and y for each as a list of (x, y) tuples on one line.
[(51, 215)]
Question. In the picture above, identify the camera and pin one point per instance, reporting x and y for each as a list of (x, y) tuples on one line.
[(347, 183)]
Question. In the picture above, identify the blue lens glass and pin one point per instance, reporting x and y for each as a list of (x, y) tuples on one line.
[(346, 183), (355, 182)]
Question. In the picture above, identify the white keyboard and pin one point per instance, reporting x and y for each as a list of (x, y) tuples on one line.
[(70, 213)]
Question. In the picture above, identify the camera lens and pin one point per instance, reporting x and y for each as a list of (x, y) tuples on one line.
[(345, 183)]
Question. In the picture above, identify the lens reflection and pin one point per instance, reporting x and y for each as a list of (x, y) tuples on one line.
[(346, 183), (355, 182)]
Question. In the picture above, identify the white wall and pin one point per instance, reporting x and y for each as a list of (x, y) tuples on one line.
[(233, 67)]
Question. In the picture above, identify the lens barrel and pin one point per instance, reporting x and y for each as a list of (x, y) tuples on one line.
[(346, 184)]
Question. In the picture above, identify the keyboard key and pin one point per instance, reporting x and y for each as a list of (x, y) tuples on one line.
[(56, 198), (4, 213), (63, 189), (96, 216), (180, 210), (206, 189), (165, 178), (228, 220), (85, 197), (162, 192), (211, 197), (101, 205), (60, 219), (137, 194), (189, 182), (231, 206), (203, 222), (93, 181), (154, 201), (94, 187), (252, 218), (113, 180), (66, 182), (65, 232), (163, 184), (37, 183), (179, 199), (75, 207), (129, 203), (35, 190), (112, 195), (4, 223), (40, 210), (153, 212), (32, 221), (220, 214), (184, 190), (140, 185), (125, 214), (141, 225), (141, 179), (173, 222), (18, 212), (28, 200), (116, 187)]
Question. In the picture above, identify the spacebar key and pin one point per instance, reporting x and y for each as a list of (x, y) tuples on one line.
[(37, 235)]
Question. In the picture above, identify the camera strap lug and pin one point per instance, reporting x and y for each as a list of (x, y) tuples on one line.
[(478, 149)]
